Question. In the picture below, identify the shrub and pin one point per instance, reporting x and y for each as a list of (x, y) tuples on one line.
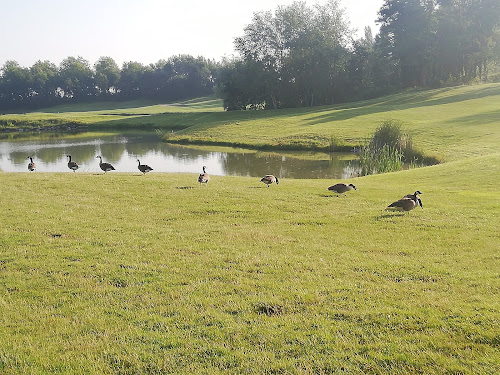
[(388, 149)]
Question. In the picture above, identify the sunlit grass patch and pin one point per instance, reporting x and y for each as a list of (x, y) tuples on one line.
[(115, 274)]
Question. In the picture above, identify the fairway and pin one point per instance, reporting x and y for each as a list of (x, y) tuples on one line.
[(129, 274)]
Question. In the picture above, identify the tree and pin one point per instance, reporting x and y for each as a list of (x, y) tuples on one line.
[(44, 83), (301, 53), (409, 28), (76, 78), (107, 75), (15, 85), (130, 79), (468, 38)]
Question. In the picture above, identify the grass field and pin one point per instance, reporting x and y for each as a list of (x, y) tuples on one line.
[(130, 274), (448, 123)]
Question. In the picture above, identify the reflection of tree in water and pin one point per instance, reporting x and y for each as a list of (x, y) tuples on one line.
[(186, 153), (115, 148), (252, 164), (111, 152), (19, 157), (82, 154), (49, 154)]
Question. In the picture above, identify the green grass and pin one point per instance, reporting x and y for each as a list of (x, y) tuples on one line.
[(446, 124), (128, 274)]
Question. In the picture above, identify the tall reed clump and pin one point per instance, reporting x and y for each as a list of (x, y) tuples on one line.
[(388, 150)]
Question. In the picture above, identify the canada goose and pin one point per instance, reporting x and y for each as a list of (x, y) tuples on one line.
[(416, 195), (72, 164), (144, 168), (404, 204), (269, 179), (203, 177), (342, 188), (105, 166), (31, 164)]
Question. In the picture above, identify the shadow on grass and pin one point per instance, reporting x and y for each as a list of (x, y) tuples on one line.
[(382, 217), (417, 98), (184, 187)]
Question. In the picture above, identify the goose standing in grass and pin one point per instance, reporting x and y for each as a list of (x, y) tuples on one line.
[(31, 164), (72, 164), (404, 204), (341, 188), (203, 178), (416, 196), (105, 166), (144, 168), (269, 179)]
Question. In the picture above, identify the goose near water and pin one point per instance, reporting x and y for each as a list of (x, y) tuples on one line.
[(203, 178), (269, 179), (31, 164), (144, 168), (72, 164), (341, 188), (105, 166)]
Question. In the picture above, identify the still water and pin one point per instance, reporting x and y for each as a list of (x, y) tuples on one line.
[(123, 149)]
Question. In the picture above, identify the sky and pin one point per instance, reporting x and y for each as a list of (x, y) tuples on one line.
[(145, 31)]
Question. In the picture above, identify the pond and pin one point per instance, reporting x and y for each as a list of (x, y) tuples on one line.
[(123, 149)]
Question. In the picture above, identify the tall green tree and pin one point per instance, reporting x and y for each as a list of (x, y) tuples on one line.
[(130, 79), (44, 83), (15, 85), (408, 28), (301, 53), (77, 78), (468, 38), (107, 75)]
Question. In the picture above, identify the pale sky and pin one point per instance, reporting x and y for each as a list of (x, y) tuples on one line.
[(138, 30)]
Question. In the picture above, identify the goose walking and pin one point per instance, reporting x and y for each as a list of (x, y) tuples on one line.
[(269, 179), (404, 204), (341, 188), (72, 164), (416, 196), (105, 166), (203, 178), (144, 168), (31, 164)]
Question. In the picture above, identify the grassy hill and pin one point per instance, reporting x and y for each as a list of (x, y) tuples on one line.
[(448, 123), (123, 274)]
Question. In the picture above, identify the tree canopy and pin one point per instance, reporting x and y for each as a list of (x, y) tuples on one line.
[(45, 84), (298, 55)]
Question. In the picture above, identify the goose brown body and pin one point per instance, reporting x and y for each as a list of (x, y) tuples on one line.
[(342, 188), (105, 166), (416, 196), (204, 177), (72, 164), (404, 204), (144, 168), (269, 179)]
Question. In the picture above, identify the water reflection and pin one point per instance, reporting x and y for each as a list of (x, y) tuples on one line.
[(122, 150)]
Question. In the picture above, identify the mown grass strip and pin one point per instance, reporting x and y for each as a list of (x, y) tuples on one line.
[(152, 274)]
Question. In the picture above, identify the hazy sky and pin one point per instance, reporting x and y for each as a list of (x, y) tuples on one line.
[(137, 30)]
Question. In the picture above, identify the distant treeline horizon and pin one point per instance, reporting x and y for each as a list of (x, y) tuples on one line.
[(296, 56)]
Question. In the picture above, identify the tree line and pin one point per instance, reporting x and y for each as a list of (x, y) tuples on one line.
[(305, 56), (298, 55), (75, 80)]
